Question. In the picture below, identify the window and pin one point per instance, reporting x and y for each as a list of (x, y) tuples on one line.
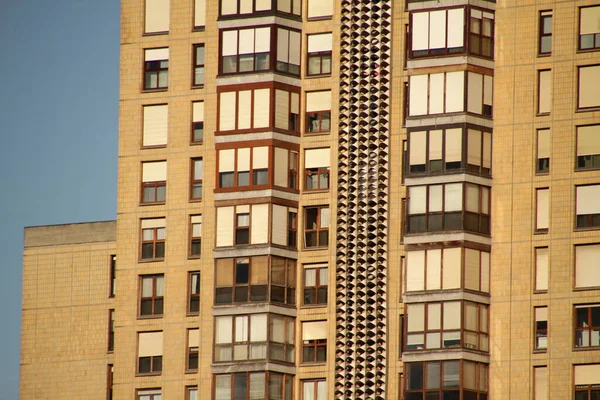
[(194, 293), (154, 182), (544, 91), (540, 385), (253, 386), (314, 341), (244, 110), (588, 147), (230, 7), (244, 167), (586, 265), (541, 328), (316, 169), (543, 210), (316, 226), (319, 54), (152, 296), (315, 389), (439, 32), (198, 65), (446, 379), (318, 112), (199, 16), (440, 208), (320, 8), (242, 280), (195, 235), (589, 30), (197, 122), (479, 94), (452, 324), (441, 151), (111, 330), (481, 33), (587, 328), (150, 346), (153, 238), (245, 337), (109, 382), (545, 32), (192, 350), (245, 50), (289, 6), (156, 68), (315, 284), (155, 125), (543, 151), (196, 183), (245, 225), (587, 381), (284, 225), (191, 393), (287, 111), (156, 16), (113, 276), (292, 218), (426, 93), (149, 394), (588, 206), (288, 51), (446, 269), (589, 96), (541, 269)]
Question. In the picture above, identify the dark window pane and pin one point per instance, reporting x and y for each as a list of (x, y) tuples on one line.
[(148, 250), (416, 223), (311, 218), (432, 396), (196, 246), (193, 361), (308, 354), (453, 395), (244, 178), (452, 221), (546, 44), (414, 396), (146, 307), (322, 299), (194, 304), (595, 316), (198, 131), (224, 295), (158, 307), (581, 395), (277, 293), (260, 177), (435, 222), (242, 236), (226, 179), (322, 353), (241, 273), (291, 296), (144, 365), (160, 250), (258, 293), (309, 296), (156, 363), (239, 386), (414, 378), (241, 294), (324, 238)]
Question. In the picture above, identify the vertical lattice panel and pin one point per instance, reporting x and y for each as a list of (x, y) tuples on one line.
[(363, 193)]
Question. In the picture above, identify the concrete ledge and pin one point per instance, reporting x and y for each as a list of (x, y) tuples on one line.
[(258, 250), (249, 308), (418, 5), (252, 367), (444, 354), (85, 232), (449, 178), (429, 296)]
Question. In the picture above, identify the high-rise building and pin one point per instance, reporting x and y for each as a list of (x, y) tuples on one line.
[(366, 199)]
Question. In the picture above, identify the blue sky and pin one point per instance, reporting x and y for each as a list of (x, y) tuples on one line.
[(59, 98)]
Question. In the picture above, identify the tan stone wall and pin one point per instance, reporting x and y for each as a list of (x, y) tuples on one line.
[(513, 212), (65, 316)]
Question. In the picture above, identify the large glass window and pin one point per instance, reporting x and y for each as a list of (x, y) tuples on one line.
[(438, 32), (589, 29), (254, 386), (154, 182), (316, 226), (588, 207), (153, 238), (588, 147), (152, 295), (589, 95), (315, 284), (156, 68), (587, 325), (587, 381), (246, 50), (545, 45), (314, 341), (481, 33)]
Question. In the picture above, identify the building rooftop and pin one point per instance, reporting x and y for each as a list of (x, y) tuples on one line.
[(81, 232)]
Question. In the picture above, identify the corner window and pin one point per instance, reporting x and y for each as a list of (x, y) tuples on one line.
[(587, 325), (287, 111), (150, 349), (586, 265), (587, 206), (194, 292), (245, 50), (152, 295), (542, 165), (316, 226), (155, 125), (589, 96), (545, 45), (245, 110), (316, 169), (288, 51), (589, 30), (481, 33), (443, 379), (541, 328), (156, 16), (243, 225), (196, 181), (156, 68), (319, 54), (318, 112), (230, 7), (195, 235), (314, 342), (588, 147), (253, 386), (192, 350), (435, 33), (199, 65), (315, 284), (154, 182), (153, 238)]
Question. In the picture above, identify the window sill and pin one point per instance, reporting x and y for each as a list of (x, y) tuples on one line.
[(110, 351), (159, 146), (544, 114), (154, 90), (587, 288), (311, 191), (588, 109), (583, 51), (589, 348), (155, 316), (312, 363), (157, 203), (542, 55), (196, 143), (320, 18), (149, 260), (155, 33), (540, 232), (311, 306), (311, 134), (587, 228), (587, 169), (199, 29), (191, 371), (198, 86), (540, 292), (317, 76), (195, 200), (315, 248), (540, 351), (194, 257), (142, 374), (192, 314), (545, 173)]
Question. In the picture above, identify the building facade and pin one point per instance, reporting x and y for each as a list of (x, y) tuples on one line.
[(363, 200)]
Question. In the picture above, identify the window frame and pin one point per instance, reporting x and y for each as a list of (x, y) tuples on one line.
[(459, 388), (111, 331), (190, 353), (318, 286), (596, 45), (540, 330), (153, 299), (480, 35), (155, 242), (315, 382), (542, 167), (542, 34), (539, 111), (196, 183), (153, 360), (579, 107), (110, 372), (318, 229), (316, 345), (409, 29), (195, 241), (286, 380), (590, 218), (320, 55), (112, 291), (193, 297), (271, 54), (198, 66), (318, 117), (189, 389), (155, 185), (148, 392), (155, 68), (595, 158), (537, 229), (585, 330)]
